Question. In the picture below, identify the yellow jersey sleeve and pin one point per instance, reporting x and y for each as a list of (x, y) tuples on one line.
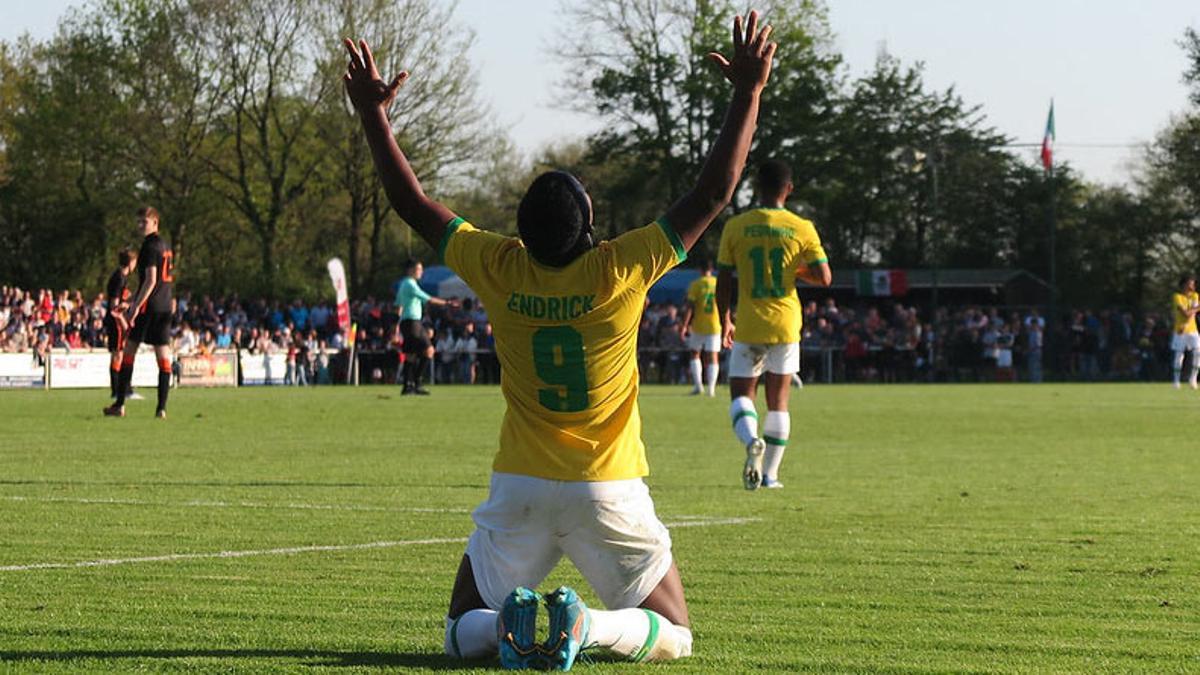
[(811, 251), (640, 257), (473, 253)]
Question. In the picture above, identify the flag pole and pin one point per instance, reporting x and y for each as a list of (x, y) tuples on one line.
[(1048, 165)]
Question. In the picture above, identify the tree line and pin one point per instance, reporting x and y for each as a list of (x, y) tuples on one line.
[(230, 117)]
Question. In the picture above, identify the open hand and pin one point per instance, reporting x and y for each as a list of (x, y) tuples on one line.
[(363, 83), (727, 331), (750, 65)]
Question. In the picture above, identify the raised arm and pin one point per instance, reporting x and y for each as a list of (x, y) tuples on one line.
[(371, 97), (748, 70)]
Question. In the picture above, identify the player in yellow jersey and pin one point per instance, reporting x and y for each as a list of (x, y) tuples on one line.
[(1184, 306), (567, 478), (769, 247), (702, 329)]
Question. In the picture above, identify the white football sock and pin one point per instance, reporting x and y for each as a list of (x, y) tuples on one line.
[(472, 635), (776, 429), (1195, 369), (711, 371), (745, 419), (638, 635), (1177, 366), (695, 366)]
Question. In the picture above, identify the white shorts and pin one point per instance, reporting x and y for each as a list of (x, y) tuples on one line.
[(1185, 342), (607, 528), (750, 360), (699, 342)]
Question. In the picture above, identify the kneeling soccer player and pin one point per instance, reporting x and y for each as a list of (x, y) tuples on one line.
[(567, 478)]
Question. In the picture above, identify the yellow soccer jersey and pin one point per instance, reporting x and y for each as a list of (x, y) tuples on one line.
[(702, 293), (1180, 303), (566, 339), (766, 246)]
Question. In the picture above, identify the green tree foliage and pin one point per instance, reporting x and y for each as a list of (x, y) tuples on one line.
[(230, 118)]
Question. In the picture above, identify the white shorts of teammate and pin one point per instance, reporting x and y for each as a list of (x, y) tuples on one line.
[(607, 528), (1186, 342), (699, 342), (750, 360)]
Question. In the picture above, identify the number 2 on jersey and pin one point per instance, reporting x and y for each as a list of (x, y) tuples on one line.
[(558, 358), (760, 289)]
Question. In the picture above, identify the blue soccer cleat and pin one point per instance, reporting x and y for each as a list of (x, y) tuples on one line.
[(569, 625), (516, 626)]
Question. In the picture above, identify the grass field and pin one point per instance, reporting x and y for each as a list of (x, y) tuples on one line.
[(922, 529)]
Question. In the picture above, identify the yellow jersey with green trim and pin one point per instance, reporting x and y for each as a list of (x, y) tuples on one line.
[(566, 339), (702, 293), (766, 246), (1180, 304)]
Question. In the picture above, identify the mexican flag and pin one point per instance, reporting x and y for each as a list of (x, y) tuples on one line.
[(1048, 141), (882, 282)]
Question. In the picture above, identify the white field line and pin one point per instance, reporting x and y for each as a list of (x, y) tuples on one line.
[(173, 557), (226, 505)]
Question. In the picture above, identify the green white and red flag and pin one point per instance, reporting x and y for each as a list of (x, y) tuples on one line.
[(1048, 141), (886, 283)]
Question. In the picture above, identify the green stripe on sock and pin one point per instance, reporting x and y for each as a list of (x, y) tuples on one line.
[(771, 440), (744, 413), (650, 639), (454, 638)]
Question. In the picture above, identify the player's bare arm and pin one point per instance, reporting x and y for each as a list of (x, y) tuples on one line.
[(816, 275), (371, 97), (689, 310), (143, 294), (748, 70), (724, 304)]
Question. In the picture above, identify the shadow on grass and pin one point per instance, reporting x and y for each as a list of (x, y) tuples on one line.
[(306, 656), (252, 483)]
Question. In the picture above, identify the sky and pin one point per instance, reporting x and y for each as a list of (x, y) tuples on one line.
[(1112, 67)]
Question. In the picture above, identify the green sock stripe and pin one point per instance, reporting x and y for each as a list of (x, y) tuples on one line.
[(744, 413), (650, 639), (454, 638), (771, 440)]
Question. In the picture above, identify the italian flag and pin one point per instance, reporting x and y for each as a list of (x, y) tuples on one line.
[(1048, 141), (882, 282)]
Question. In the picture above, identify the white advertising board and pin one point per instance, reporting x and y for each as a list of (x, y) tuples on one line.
[(89, 369), (21, 371), (259, 369)]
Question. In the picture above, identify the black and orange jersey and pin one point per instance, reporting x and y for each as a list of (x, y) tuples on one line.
[(117, 290), (155, 254)]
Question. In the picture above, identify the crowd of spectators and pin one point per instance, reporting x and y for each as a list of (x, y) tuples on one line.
[(878, 342)]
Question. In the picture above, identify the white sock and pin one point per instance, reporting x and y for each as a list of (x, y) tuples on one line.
[(775, 432), (1195, 369), (695, 366), (1177, 366), (745, 419), (472, 635), (797, 381), (711, 371), (638, 635)]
